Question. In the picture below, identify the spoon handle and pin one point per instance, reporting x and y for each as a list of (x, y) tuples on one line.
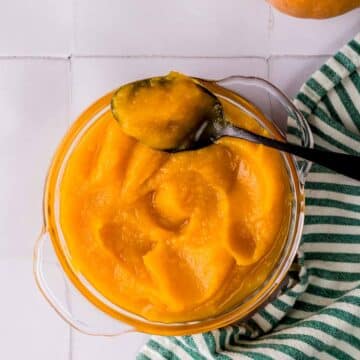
[(348, 165)]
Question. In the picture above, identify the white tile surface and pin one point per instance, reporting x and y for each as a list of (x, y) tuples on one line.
[(91, 78), (40, 27), (291, 36), (29, 328), (290, 72), (34, 104), (124, 347), (162, 27)]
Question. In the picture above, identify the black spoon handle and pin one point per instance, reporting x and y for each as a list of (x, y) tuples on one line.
[(348, 165)]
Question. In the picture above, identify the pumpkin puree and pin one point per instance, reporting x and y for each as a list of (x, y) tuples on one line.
[(174, 237), (162, 112)]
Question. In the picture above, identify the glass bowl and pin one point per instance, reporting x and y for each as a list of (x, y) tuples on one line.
[(81, 305)]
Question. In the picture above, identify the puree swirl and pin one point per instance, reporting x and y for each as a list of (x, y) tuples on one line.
[(174, 237)]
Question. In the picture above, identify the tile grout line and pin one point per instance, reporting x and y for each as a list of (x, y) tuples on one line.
[(68, 303), (70, 106), (271, 25), (35, 57), (71, 89), (268, 74), (103, 56), (298, 56), (269, 30), (100, 56), (159, 56), (70, 353), (73, 31), (269, 57)]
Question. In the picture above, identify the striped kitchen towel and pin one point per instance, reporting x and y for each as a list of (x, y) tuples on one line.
[(318, 315)]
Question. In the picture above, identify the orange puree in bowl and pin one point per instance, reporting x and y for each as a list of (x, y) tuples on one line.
[(174, 237)]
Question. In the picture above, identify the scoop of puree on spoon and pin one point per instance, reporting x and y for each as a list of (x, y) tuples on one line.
[(176, 113)]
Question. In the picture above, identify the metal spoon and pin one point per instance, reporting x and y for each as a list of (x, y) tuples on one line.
[(215, 126)]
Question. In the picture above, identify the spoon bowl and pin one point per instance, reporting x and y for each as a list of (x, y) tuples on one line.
[(165, 112)]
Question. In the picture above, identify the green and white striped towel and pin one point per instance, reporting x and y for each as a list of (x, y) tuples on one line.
[(318, 315)]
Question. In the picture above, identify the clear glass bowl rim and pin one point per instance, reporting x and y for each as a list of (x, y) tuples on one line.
[(241, 312)]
